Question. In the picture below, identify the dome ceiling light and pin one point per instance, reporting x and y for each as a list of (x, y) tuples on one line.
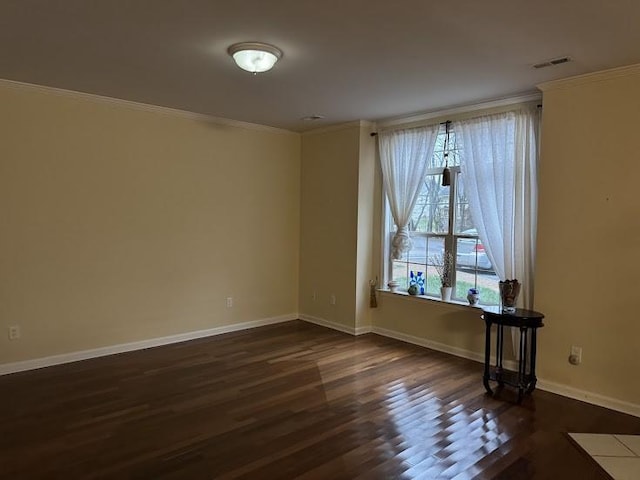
[(255, 57)]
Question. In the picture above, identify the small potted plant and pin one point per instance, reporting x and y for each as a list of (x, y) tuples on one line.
[(444, 267)]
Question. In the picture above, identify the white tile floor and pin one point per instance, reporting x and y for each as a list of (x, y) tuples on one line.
[(619, 455)]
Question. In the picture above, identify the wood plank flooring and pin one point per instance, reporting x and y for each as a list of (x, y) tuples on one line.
[(292, 400)]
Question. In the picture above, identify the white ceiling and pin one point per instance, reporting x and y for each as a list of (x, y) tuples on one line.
[(347, 60)]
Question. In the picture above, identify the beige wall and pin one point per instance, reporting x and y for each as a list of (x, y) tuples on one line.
[(588, 267), (120, 224), (455, 328), (337, 216), (329, 214)]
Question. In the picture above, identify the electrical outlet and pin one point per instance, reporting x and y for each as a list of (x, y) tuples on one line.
[(575, 357), (229, 302), (332, 300), (14, 332)]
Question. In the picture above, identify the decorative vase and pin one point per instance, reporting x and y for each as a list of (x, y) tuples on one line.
[(416, 283), (473, 295), (445, 293), (509, 291), (420, 283), (393, 286)]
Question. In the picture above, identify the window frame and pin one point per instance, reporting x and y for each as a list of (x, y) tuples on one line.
[(450, 239)]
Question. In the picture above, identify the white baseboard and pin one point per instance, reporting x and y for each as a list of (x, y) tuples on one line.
[(552, 387), (589, 397), (42, 362), (440, 347), (363, 330), (335, 325)]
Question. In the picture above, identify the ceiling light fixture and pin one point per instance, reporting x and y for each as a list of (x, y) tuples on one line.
[(255, 57)]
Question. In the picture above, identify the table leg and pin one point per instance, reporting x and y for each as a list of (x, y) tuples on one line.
[(522, 363), (487, 358), (534, 380), (499, 353)]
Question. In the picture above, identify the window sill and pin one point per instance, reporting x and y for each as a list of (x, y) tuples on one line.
[(428, 298)]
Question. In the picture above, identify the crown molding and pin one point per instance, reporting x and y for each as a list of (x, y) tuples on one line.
[(340, 126), (424, 118), (590, 77), (145, 107)]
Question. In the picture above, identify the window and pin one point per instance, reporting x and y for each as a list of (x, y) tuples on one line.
[(441, 222)]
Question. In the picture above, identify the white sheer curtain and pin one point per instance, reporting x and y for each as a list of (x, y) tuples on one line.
[(404, 157), (499, 167)]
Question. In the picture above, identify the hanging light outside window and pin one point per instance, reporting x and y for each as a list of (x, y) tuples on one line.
[(446, 173)]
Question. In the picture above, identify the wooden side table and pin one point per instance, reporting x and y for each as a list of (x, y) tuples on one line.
[(528, 321)]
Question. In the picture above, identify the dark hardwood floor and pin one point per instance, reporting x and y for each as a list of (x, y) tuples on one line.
[(292, 400)]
